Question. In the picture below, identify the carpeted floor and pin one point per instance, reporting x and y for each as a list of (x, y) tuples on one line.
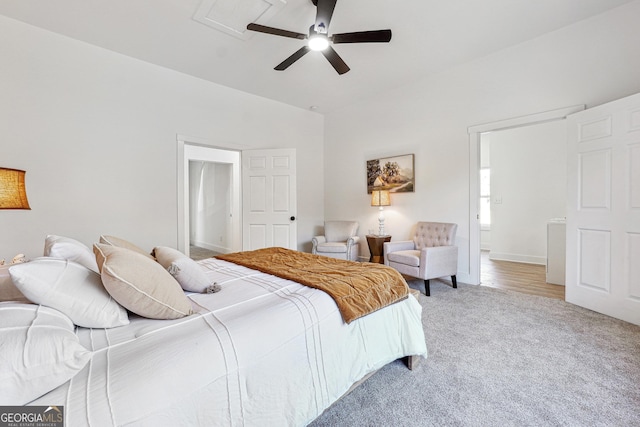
[(500, 358)]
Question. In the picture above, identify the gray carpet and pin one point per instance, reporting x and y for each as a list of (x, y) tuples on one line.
[(500, 358)]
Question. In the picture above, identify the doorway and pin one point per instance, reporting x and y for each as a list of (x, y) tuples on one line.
[(475, 167), (210, 211), (522, 187), (209, 216)]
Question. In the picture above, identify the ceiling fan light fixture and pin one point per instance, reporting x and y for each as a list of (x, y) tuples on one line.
[(318, 42), (319, 39)]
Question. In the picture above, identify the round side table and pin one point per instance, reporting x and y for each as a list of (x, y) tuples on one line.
[(376, 245)]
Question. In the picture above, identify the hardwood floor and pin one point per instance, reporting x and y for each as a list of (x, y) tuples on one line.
[(519, 277)]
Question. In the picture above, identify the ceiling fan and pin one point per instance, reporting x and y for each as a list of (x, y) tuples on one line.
[(319, 39)]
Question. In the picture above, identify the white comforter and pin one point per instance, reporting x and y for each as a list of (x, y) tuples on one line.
[(263, 351)]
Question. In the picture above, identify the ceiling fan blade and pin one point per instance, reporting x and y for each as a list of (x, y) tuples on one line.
[(293, 58), (340, 66), (323, 15), (275, 31), (378, 36)]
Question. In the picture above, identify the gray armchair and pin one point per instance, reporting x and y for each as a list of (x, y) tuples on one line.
[(431, 254), (339, 240)]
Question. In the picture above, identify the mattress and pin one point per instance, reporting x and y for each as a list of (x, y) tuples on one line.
[(262, 351)]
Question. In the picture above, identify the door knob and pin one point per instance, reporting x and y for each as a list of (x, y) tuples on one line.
[(293, 218)]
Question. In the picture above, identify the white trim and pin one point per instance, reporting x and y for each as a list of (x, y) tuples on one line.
[(182, 190), (223, 145), (474, 168), (527, 259), (530, 119)]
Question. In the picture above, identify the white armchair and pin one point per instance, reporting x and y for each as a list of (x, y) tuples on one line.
[(339, 240), (431, 254)]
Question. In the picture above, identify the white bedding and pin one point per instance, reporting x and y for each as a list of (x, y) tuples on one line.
[(262, 351)]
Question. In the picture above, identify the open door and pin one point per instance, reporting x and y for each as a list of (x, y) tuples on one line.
[(269, 199), (603, 212)]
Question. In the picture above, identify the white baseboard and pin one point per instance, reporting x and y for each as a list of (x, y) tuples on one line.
[(527, 259)]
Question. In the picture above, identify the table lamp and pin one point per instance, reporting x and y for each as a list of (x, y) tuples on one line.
[(381, 199)]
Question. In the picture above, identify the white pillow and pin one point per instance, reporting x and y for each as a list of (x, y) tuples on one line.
[(140, 284), (70, 288), (185, 270), (39, 352), (67, 248)]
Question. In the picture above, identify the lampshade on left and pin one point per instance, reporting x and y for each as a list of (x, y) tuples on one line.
[(13, 193)]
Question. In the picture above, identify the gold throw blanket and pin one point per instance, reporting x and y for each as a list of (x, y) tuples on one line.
[(359, 288)]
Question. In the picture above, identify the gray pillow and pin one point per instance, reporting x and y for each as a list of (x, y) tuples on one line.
[(186, 271)]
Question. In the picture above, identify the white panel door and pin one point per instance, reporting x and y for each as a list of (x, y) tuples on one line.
[(603, 212), (269, 199)]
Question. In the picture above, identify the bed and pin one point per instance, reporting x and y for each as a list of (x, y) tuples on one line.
[(262, 350)]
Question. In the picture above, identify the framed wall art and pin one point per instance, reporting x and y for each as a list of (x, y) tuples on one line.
[(395, 174)]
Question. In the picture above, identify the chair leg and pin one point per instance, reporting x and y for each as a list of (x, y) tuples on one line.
[(427, 290), (454, 281)]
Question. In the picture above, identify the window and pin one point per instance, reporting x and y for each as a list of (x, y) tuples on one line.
[(485, 197)]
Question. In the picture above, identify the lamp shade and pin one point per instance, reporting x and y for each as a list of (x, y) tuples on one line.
[(13, 193), (380, 198)]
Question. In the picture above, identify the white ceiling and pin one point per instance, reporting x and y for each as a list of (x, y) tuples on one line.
[(428, 36)]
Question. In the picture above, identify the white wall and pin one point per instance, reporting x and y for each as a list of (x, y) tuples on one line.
[(528, 187), (592, 62), (96, 133)]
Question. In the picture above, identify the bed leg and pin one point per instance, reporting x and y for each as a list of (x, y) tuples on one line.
[(411, 361)]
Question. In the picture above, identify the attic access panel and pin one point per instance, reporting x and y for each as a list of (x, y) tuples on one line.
[(232, 16)]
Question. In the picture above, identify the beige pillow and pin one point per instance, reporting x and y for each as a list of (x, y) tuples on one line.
[(140, 284), (185, 270), (121, 243)]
